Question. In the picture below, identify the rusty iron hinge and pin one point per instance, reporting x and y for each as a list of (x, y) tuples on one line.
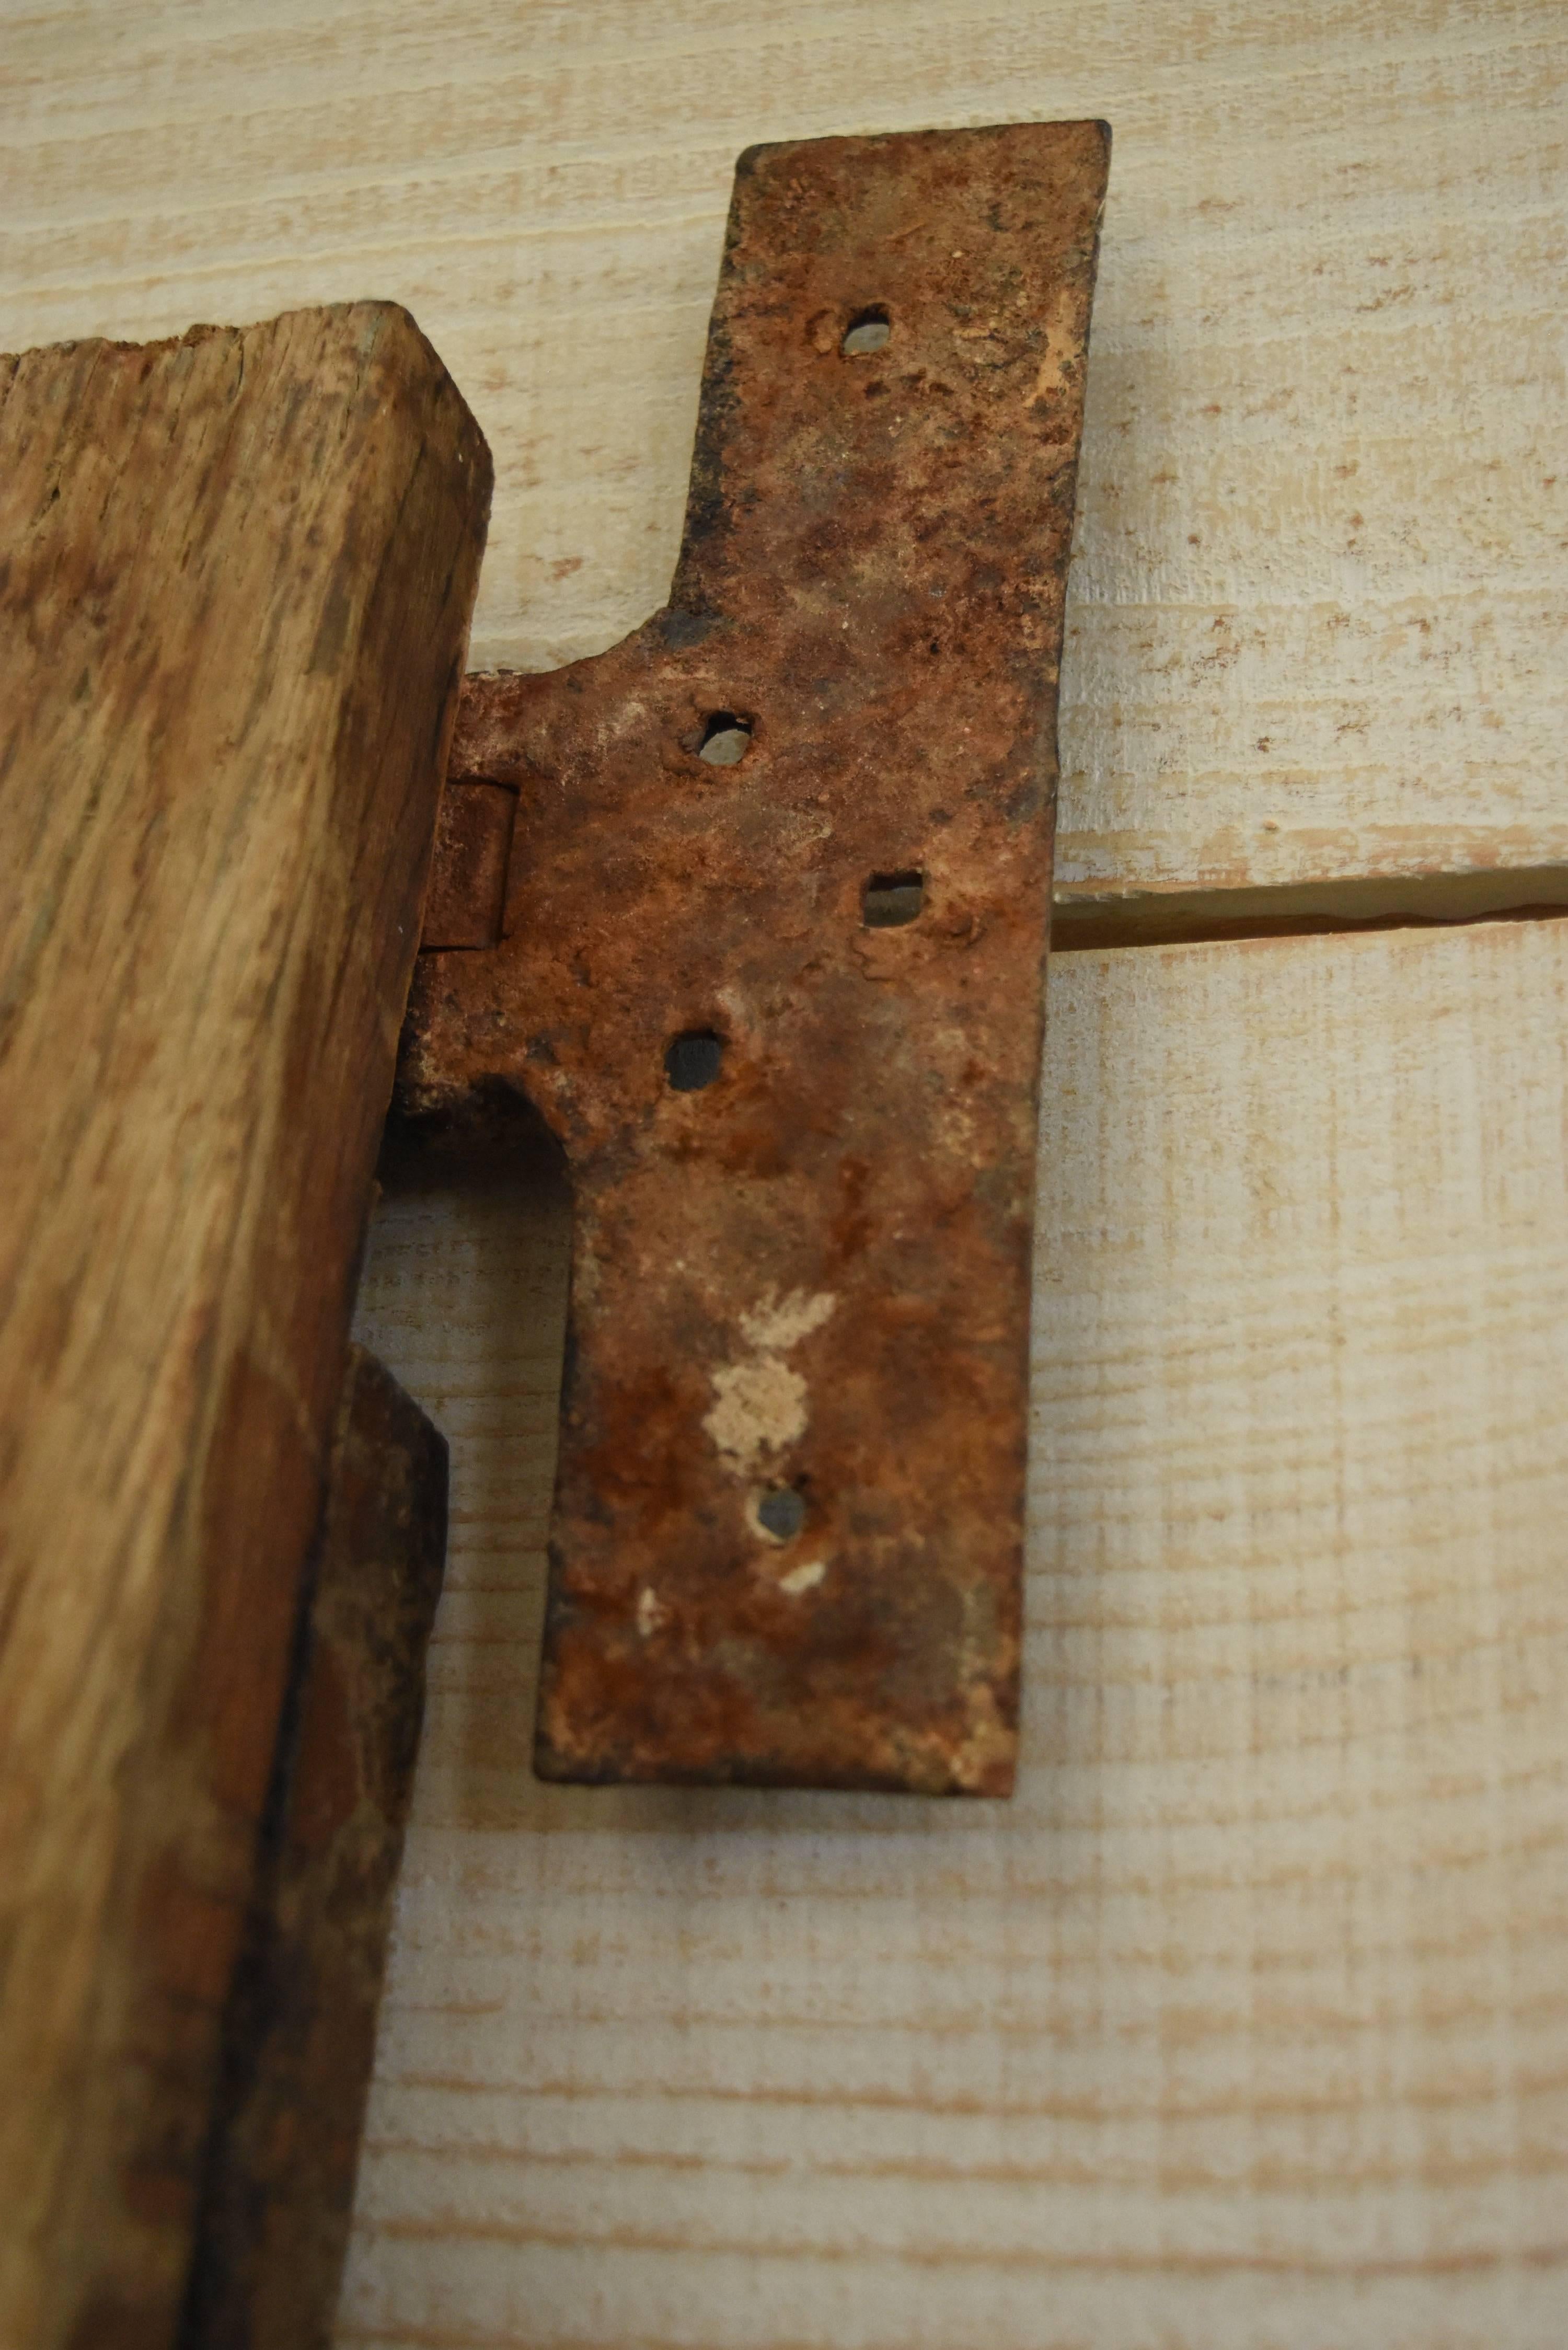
[(753, 908)]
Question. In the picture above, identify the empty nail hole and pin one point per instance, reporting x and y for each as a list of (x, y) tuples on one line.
[(693, 1060), (892, 898), (726, 739), (781, 1512), (868, 331)]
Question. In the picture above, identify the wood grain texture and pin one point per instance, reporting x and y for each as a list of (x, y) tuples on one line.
[(1315, 629), (300, 2030), (236, 579), (1243, 2026)]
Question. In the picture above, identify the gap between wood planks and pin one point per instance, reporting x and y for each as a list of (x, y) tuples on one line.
[(1301, 910)]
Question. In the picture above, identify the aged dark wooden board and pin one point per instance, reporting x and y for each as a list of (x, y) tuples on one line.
[(301, 2027), (784, 1011), (235, 579)]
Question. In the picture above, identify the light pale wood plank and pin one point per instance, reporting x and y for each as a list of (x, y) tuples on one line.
[(1317, 620), (236, 579), (1243, 2027)]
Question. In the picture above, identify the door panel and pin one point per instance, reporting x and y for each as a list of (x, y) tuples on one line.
[(1244, 2022)]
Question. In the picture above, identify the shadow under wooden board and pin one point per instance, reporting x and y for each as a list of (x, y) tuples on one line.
[(1243, 2025), (1314, 627)]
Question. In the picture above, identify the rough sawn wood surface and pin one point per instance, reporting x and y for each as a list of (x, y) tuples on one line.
[(235, 579), (1243, 2025)]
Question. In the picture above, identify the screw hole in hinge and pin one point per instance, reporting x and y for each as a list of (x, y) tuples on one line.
[(868, 331), (726, 739), (693, 1060), (891, 900), (781, 1512)]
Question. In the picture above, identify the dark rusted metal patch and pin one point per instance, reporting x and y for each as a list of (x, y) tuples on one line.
[(772, 970), (467, 896)]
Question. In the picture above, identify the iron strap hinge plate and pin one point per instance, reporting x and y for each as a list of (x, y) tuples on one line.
[(753, 908)]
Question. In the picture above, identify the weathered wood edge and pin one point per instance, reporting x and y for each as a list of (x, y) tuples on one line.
[(300, 2037)]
